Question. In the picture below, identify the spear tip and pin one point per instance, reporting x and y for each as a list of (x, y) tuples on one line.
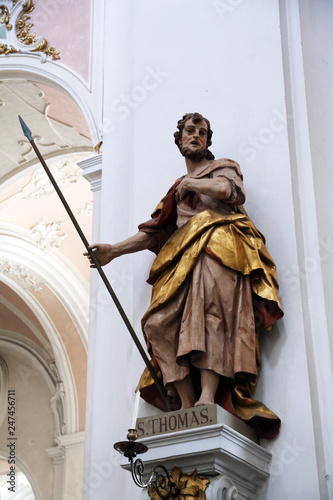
[(25, 128)]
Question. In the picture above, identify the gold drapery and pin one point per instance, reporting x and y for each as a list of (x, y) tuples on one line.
[(234, 240)]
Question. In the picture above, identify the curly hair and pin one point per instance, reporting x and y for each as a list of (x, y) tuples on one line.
[(196, 118)]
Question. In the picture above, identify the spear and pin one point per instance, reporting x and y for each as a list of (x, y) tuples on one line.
[(28, 135)]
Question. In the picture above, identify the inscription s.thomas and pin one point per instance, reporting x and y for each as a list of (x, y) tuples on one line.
[(173, 422)]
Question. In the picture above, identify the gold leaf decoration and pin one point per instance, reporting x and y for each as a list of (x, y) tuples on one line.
[(23, 27), (4, 49), (98, 146), (41, 47), (5, 17), (186, 486), (50, 51), (23, 31), (28, 6)]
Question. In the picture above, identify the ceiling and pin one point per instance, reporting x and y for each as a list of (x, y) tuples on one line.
[(56, 122)]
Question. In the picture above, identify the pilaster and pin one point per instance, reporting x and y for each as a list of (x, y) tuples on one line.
[(67, 459)]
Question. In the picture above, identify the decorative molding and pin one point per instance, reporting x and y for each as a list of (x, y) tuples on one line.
[(21, 40), (58, 409), (59, 275), (65, 171), (55, 371), (191, 418), (92, 171), (48, 234), (57, 455), (22, 275), (223, 488), (212, 450), (71, 443), (86, 210)]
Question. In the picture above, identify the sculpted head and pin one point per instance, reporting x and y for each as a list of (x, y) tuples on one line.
[(193, 123)]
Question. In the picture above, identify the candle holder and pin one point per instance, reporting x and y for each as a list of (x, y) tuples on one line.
[(160, 481)]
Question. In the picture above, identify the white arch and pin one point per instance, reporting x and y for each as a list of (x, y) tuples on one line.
[(23, 318), (54, 269), (18, 248), (21, 466), (12, 341), (61, 359), (28, 66)]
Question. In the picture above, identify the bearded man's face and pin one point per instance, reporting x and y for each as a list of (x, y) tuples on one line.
[(194, 140)]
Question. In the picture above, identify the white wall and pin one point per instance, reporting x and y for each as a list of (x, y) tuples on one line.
[(317, 38), (226, 60)]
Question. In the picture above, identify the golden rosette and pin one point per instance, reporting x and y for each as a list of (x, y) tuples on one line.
[(185, 486)]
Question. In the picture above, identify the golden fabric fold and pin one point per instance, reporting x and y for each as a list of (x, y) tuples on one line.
[(232, 239), (236, 243)]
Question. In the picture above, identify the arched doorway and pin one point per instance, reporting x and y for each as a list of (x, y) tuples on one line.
[(44, 285), (14, 486)]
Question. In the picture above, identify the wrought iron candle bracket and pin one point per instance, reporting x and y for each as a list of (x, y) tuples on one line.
[(160, 481)]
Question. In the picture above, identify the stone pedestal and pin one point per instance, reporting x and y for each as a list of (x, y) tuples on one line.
[(211, 441)]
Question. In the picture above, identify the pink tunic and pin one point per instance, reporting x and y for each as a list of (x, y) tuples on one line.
[(210, 323)]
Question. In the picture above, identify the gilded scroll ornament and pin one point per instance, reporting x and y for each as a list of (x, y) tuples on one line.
[(23, 36), (28, 6), (5, 17), (4, 49), (185, 487), (98, 146), (23, 31)]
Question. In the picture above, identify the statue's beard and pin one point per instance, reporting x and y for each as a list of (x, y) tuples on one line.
[(197, 155)]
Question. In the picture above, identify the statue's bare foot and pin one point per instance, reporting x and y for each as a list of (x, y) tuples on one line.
[(186, 406), (185, 391), (204, 401)]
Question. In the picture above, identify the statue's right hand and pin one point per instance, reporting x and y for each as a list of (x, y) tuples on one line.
[(104, 253)]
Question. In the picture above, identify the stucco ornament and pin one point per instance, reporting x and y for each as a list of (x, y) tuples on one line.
[(48, 234), (186, 486), (21, 40), (21, 275)]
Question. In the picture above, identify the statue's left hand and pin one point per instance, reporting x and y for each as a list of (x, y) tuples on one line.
[(184, 187)]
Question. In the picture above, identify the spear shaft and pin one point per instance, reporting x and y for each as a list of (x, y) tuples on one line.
[(114, 297)]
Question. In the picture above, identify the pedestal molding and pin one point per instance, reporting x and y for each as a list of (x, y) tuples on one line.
[(211, 450), (92, 171)]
